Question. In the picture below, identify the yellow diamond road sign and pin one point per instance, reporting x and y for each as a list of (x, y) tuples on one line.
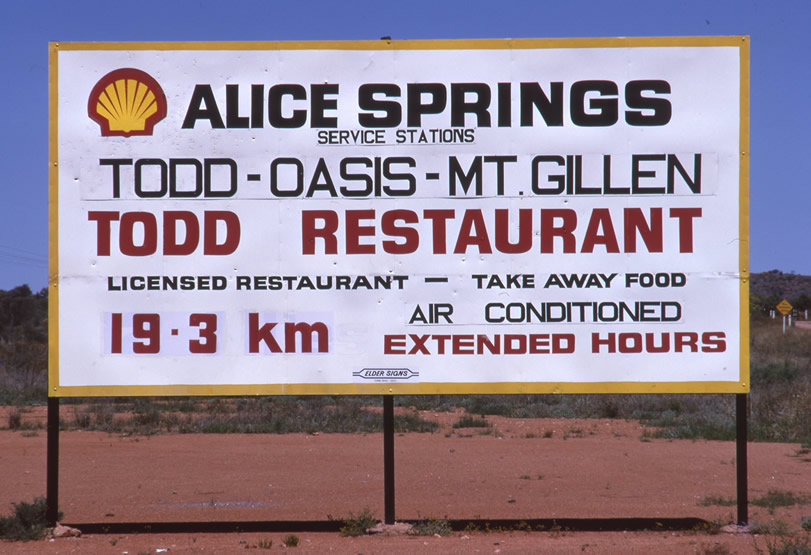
[(784, 307)]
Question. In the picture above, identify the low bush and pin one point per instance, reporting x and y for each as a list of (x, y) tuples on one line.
[(786, 546), (779, 498), (291, 540), (358, 525), (29, 521), (772, 528), (273, 415), (471, 422), (431, 527)]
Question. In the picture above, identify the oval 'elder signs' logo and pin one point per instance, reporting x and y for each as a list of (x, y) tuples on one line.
[(126, 102)]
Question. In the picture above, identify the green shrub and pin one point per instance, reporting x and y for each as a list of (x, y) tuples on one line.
[(772, 528), (779, 498), (718, 500), (270, 415), (291, 540), (15, 419), (411, 422), (471, 422), (29, 521), (358, 525), (788, 546), (431, 527)]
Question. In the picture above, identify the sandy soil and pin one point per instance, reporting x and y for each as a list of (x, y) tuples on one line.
[(518, 469)]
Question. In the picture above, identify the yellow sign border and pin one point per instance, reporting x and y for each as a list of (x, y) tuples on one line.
[(741, 386)]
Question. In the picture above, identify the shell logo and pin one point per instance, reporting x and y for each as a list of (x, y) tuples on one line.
[(126, 102)]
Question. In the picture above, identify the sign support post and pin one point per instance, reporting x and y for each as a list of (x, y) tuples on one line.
[(52, 470), (388, 458), (741, 466)]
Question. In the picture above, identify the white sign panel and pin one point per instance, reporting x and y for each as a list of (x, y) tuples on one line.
[(399, 217)]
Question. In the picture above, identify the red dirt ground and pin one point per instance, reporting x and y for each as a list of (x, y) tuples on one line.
[(519, 469)]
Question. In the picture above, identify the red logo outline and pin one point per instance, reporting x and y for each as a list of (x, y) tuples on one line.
[(126, 74)]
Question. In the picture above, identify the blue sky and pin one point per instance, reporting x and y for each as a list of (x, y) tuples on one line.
[(780, 187)]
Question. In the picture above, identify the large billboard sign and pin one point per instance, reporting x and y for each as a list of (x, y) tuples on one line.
[(487, 216)]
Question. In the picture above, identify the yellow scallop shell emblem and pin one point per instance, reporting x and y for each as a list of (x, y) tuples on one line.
[(127, 102)]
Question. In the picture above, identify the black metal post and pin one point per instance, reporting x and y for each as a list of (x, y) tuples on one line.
[(388, 458), (740, 458), (52, 471)]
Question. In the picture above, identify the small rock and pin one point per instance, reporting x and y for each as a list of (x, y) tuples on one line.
[(735, 529), (66, 532), (396, 529)]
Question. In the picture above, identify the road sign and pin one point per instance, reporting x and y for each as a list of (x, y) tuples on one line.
[(413, 217), (784, 307)]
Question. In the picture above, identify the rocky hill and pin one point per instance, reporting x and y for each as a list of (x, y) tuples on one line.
[(778, 284)]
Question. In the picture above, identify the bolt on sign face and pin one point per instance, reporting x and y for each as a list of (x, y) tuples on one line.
[(422, 217)]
